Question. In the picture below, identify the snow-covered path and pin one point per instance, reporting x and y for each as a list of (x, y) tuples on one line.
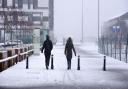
[(90, 76)]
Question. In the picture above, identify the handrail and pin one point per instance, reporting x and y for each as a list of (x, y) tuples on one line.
[(25, 52), (6, 59), (9, 58)]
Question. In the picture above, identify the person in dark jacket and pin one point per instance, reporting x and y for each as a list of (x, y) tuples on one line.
[(68, 51), (47, 47)]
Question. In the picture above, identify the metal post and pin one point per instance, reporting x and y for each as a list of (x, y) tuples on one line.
[(104, 64), (82, 39), (52, 66), (120, 49), (115, 48), (126, 49), (98, 21), (107, 47), (111, 47), (27, 62), (78, 66), (4, 24), (126, 53), (103, 45)]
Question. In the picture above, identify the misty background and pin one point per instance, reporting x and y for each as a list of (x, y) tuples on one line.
[(68, 17)]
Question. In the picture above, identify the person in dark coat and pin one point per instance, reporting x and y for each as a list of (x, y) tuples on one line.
[(47, 47), (68, 51)]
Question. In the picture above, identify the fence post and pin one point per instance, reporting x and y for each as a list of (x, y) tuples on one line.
[(126, 49), (78, 66), (27, 62), (115, 48), (126, 55), (120, 49), (52, 66), (111, 48), (104, 64)]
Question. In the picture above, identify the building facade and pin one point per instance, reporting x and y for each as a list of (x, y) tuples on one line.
[(114, 38), (20, 17)]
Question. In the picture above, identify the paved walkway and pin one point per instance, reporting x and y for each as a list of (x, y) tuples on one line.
[(90, 76)]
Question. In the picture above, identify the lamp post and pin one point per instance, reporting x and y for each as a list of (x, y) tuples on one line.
[(98, 22), (82, 39)]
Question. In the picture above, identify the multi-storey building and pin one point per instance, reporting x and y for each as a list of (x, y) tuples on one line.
[(20, 17)]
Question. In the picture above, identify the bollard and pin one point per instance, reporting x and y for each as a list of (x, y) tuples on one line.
[(78, 66), (104, 64), (52, 66), (27, 63)]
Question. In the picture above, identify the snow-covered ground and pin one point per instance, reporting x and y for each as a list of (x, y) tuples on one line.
[(90, 76)]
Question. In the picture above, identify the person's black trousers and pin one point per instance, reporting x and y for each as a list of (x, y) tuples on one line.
[(47, 59), (69, 63)]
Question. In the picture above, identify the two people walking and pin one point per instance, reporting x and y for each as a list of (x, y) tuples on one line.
[(48, 46)]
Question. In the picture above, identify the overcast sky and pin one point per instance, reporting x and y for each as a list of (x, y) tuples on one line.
[(68, 16)]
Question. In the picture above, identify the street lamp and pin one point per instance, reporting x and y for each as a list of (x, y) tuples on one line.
[(98, 18), (98, 22), (82, 39)]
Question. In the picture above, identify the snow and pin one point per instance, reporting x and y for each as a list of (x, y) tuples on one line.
[(91, 73)]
